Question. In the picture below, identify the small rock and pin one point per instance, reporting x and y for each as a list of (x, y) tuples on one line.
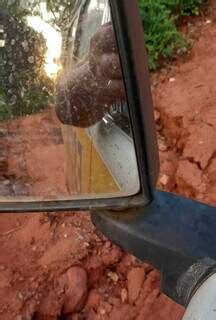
[(162, 146), (107, 244), (76, 290), (124, 295), (156, 115), (135, 279), (20, 296), (113, 276), (102, 311), (164, 180), (172, 79), (86, 244)]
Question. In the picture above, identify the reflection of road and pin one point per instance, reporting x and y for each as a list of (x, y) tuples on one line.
[(35, 158), (10, 185)]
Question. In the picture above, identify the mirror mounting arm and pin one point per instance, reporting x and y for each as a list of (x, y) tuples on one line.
[(176, 235)]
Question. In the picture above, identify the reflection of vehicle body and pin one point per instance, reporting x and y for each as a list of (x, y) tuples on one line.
[(110, 140), (117, 151)]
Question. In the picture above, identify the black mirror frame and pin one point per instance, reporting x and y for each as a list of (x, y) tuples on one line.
[(130, 38)]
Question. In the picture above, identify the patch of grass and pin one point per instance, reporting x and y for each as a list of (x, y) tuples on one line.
[(159, 19), (184, 7)]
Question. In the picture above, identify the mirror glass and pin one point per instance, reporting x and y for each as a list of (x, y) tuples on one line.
[(65, 129)]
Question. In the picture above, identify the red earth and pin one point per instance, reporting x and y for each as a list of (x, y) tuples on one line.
[(58, 266)]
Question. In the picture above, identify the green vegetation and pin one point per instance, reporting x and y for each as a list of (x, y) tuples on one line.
[(25, 87), (159, 20), (183, 7)]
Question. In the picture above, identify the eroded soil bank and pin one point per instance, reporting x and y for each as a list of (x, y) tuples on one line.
[(185, 96), (57, 266)]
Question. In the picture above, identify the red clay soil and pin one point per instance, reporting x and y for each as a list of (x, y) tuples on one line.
[(57, 266), (185, 99)]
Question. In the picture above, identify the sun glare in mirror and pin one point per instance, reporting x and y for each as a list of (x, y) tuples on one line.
[(53, 40)]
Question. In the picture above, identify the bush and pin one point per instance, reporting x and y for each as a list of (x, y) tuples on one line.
[(159, 20), (183, 7)]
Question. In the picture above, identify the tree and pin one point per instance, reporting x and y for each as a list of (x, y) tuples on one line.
[(24, 86)]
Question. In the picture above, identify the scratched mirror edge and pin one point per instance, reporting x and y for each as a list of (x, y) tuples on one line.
[(70, 198)]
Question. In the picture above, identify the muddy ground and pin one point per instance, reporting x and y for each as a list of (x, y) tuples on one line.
[(57, 266)]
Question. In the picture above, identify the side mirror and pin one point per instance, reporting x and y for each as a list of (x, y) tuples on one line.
[(83, 136)]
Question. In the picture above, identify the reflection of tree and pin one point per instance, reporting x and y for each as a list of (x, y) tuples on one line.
[(24, 86), (61, 11)]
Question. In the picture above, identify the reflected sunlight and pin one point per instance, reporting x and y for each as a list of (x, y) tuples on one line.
[(96, 4), (53, 41)]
